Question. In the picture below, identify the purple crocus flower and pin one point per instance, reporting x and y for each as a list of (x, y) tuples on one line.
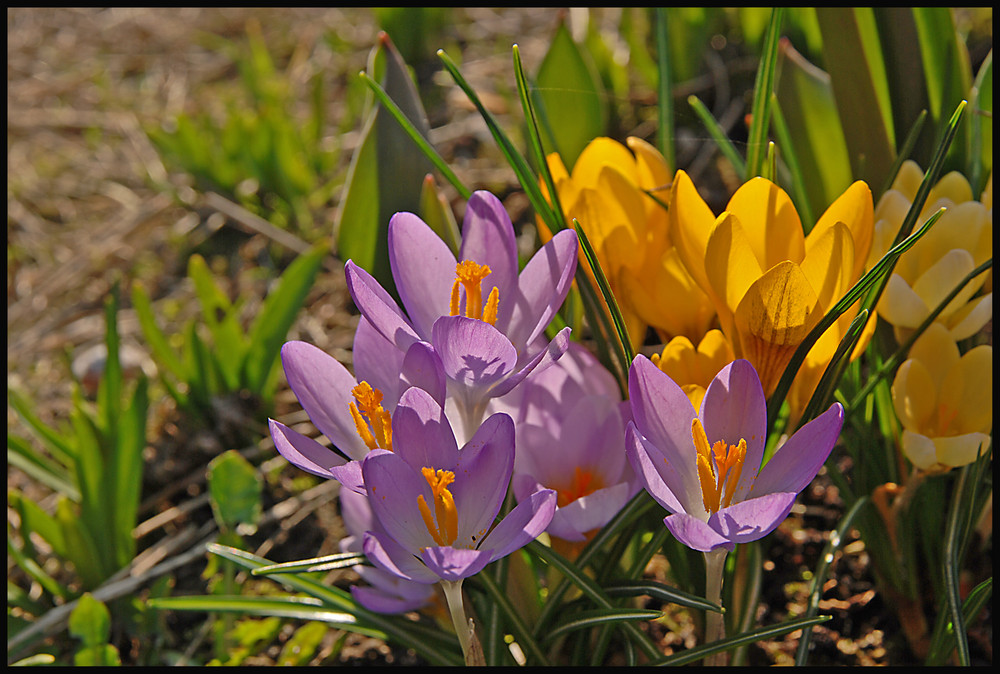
[(705, 467), (570, 422), (436, 503), (385, 592), (352, 411), (483, 317)]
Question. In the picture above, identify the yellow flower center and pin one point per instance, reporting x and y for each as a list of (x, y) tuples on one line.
[(470, 275), (719, 468), (443, 524), (372, 421), (583, 483), (945, 418)]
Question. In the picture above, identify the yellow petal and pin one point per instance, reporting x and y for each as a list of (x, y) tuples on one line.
[(599, 153), (622, 218), (691, 222), (908, 179), (914, 396), (968, 389), (829, 263), (652, 174), (853, 208), (770, 221), (940, 279), (919, 449), (963, 226), (971, 318), (959, 450), (730, 262), (937, 351), (900, 306), (952, 186), (775, 315)]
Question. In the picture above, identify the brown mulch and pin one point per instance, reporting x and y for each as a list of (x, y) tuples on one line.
[(90, 203)]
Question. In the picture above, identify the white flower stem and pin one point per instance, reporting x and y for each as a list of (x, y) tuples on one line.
[(464, 627), (715, 626)]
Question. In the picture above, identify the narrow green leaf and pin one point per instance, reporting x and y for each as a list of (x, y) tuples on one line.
[(624, 344), (760, 634), (31, 567), (37, 521), (599, 617), (664, 86), (270, 326), (39, 467), (90, 621), (163, 353), (852, 55), (384, 177), (222, 321), (569, 98), (834, 369), (437, 213), (806, 107), (59, 445), (109, 389), (522, 633), (126, 471), (80, 546), (980, 151), (664, 593), (763, 88), (720, 136), (301, 608), (339, 560)]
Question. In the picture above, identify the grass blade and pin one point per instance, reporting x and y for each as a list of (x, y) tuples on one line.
[(762, 91)]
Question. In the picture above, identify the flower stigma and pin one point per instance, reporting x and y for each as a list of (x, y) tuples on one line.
[(372, 421), (469, 274), (584, 482), (719, 468), (443, 525)]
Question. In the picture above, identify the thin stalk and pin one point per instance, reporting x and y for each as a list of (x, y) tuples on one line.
[(465, 629), (715, 624)]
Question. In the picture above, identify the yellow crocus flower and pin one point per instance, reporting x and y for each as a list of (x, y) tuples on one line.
[(693, 369), (609, 193), (770, 284), (957, 243), (944, 401)]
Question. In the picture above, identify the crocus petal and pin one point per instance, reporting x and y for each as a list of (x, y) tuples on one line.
[(453, 564), (829, 263), (663, 413), (914, 394), (971, 318), (323, 387), (377, 361), (542, 287), (731, 263), (488, 238), (589, 512), (379, 601), (421, 367), (797, 461), (854, 208), (959, 450), (522, 525), (474, 354), (539, 362), (422, 434), (919, 449), (900, 305), (691, 222), (968, 390), (734, 409), (390, 556), (350, 477), (393, 487), (423, 268), (941, 278), (303, 452), (753, 519), (770, 221), (658, 475), (696, 534), (378, 307), (482, 473)]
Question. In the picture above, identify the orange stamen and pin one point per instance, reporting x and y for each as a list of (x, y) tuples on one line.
[(443, 526), (718, 485), (372, 421)]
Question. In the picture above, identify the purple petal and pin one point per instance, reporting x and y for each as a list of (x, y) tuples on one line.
[(381, 601), (590, 512), (474, 354), (390, 556), (323, 387), (482, 474), (540, 362), (393, 487), (303, 452), (455, 563), (797, 461), (522, 525), (658, 476), (421, 367), (356, 513), (378, 307), (696, 534), (542, 287), (662, 413), (377, 361), (488, 238), (350, 477), (734, 408), (423, 268), (593, 427), (421, 433), (752, 519)]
